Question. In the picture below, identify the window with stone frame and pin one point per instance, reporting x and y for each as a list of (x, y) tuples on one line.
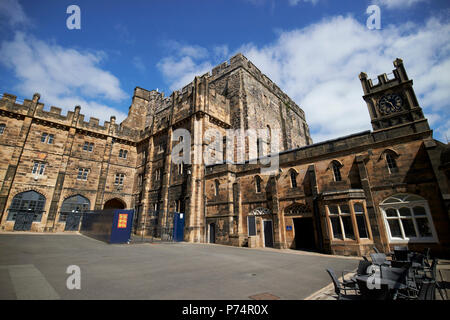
[(47, 138), (258, 184), (293, 176), (88, 146), (341, 222), (2, 128), (38, 168), (157, 174), (216, 187), (119, 179), (336, 166), (123, 153), (361, 220), (82, 174), (391, 162)]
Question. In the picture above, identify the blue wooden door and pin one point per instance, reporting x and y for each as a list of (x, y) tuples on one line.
[(178, 226)]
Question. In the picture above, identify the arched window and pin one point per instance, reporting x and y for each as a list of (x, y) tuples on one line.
[(407, 217), (29, 202), (336, 166), (2, 128), (74, 204), (258, 184), (293, 176), (391, 163), (216, 187)]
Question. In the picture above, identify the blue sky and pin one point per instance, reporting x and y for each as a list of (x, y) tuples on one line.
[(313, 49)]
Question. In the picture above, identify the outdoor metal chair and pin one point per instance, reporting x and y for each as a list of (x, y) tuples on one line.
[(340, 287), (401, 253), (427, 256), (379, 259), (426, 292), (376, 249), (362, 267)]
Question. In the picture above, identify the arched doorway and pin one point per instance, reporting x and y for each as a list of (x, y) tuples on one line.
[(72, 210), (25, 208), (114, 204)]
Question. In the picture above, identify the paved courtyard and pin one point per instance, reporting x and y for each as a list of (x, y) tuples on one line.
[(33, 266)]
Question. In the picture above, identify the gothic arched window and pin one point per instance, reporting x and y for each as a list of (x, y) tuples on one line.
[(293, 176), (336, 166), (258, 184)]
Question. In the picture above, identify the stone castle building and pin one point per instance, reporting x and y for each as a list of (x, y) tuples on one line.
[(385, 187)]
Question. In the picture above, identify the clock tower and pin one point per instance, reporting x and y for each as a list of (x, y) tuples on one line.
[(392, 102)]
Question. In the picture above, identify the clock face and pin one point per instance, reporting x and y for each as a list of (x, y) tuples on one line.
[(390, 103)]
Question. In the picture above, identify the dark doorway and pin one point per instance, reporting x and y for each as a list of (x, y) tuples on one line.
[(268, 234), (212, 233), (304, 234), (114, 204)]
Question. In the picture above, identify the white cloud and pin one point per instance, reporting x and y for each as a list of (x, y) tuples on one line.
[(318, 67), (12, 12), (180, 71), (64, 77), (395, 4)]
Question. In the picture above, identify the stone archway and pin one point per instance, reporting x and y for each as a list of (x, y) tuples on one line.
[(114, 203)]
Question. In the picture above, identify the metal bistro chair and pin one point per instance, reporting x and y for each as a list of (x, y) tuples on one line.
[(433, 276), (361, 271), (426, 291), (401, 253), (341, 287), (397, 277), (379, 259)]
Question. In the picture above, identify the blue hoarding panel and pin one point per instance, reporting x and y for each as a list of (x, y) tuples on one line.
[(112, 226), (121, 227)]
